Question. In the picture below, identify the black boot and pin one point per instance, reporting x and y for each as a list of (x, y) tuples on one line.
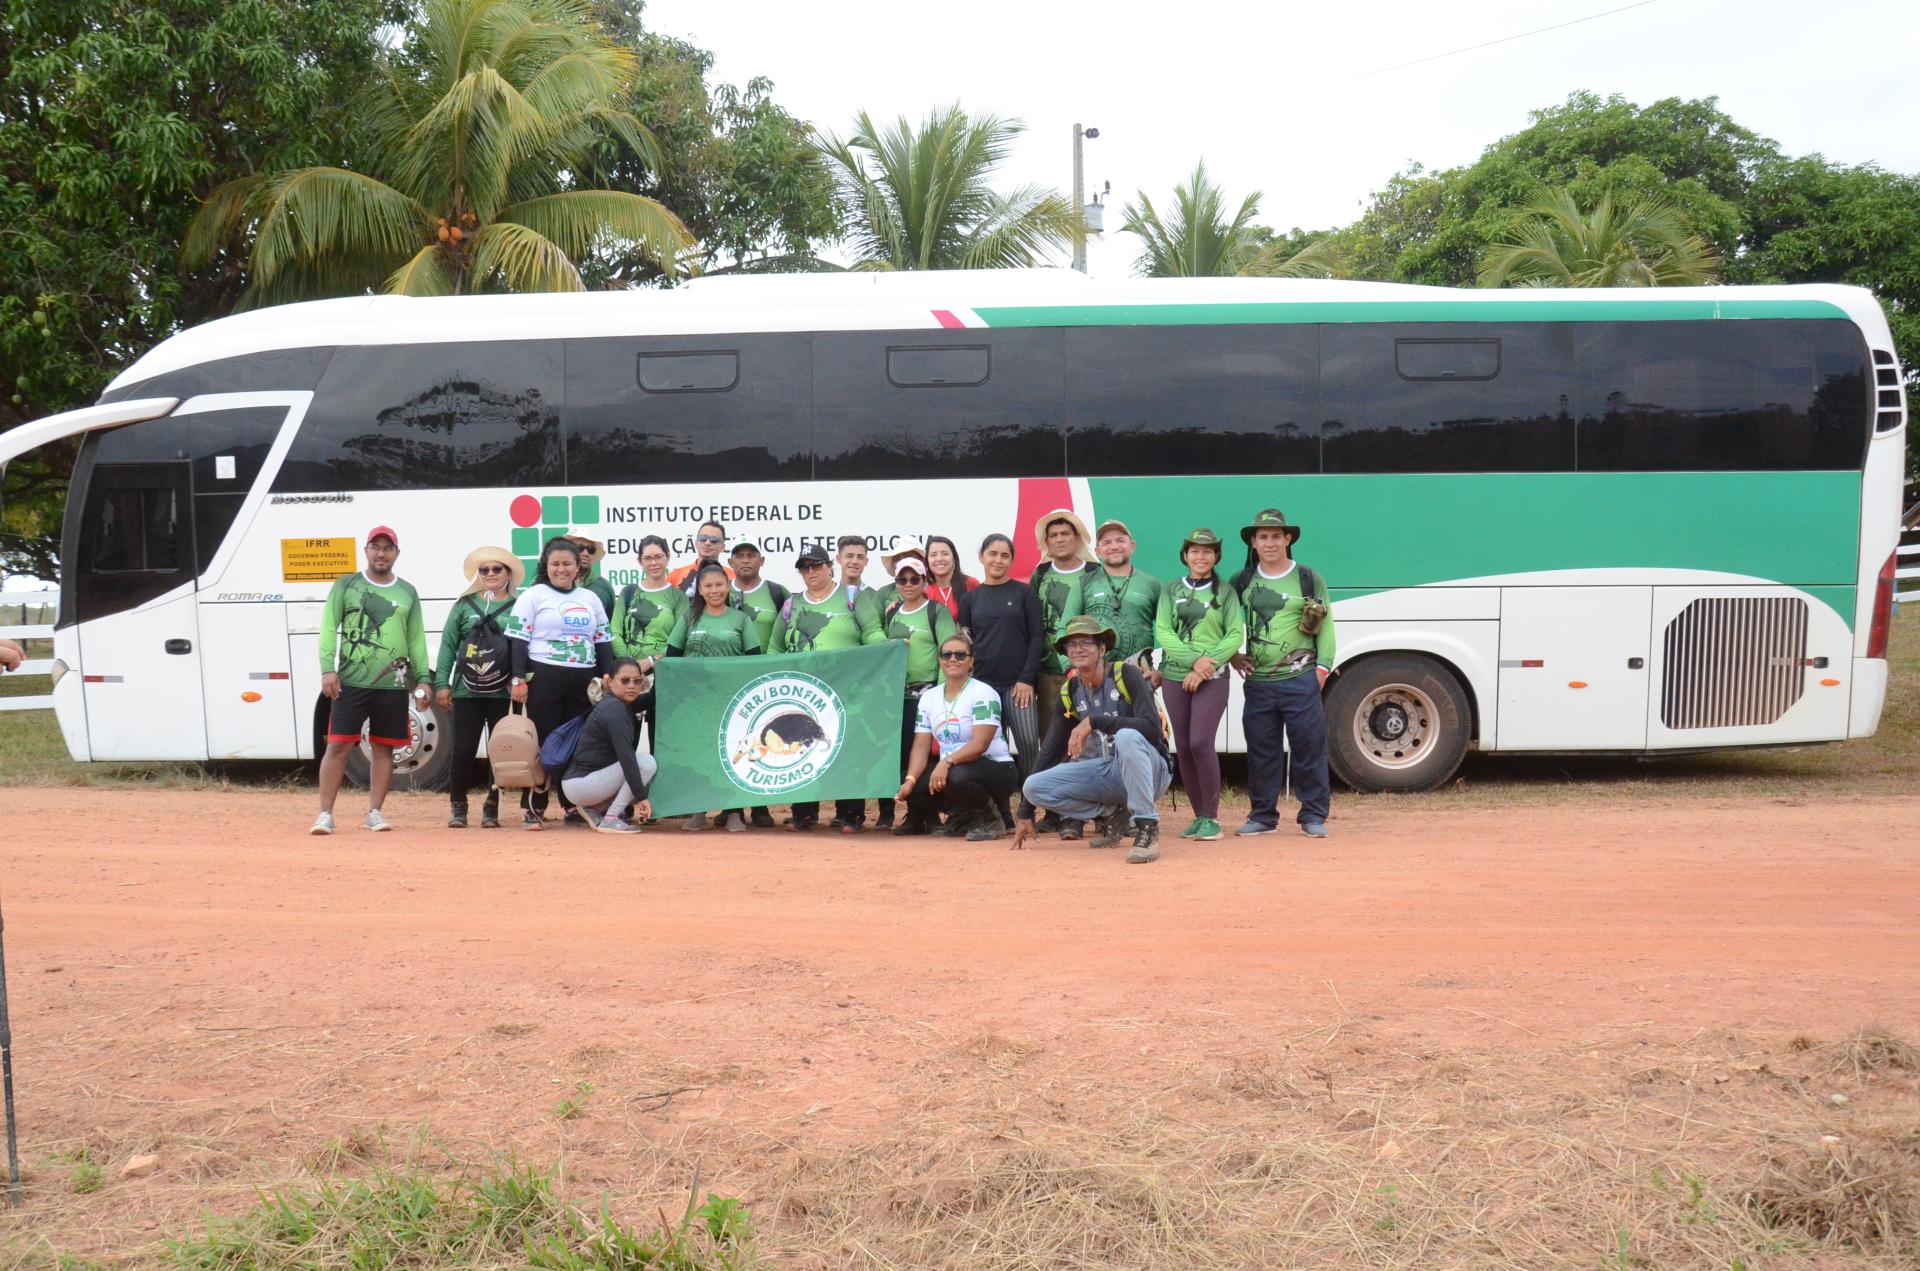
[(1108, 830), (458, 819), (1069, 830), (1146, 843), (490, 812)]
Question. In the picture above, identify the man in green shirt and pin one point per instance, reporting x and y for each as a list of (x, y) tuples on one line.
[(592, 552), (1125, 598), (1060, 583), (372, 645), (759, 597), (1290, 652), (824, 616)]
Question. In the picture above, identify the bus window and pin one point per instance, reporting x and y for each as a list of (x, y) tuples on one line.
[(434, 416), (1389, 404), (1187, 401), (1769, 394), (868, 425), (136, 536), (680, 408)]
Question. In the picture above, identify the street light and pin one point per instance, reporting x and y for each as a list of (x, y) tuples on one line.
[(1079, 197)]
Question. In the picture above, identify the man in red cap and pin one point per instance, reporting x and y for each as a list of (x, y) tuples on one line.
[(372, 645)]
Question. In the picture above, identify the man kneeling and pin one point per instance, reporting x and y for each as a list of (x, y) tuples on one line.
[(1105, 750)]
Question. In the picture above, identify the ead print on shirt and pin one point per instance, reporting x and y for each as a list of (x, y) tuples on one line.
[(576, 622)]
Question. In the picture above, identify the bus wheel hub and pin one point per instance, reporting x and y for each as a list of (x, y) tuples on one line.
[(1389, 722), (1395, 726)]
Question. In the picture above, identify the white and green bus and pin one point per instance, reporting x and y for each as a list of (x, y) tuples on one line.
[(1601, 521)]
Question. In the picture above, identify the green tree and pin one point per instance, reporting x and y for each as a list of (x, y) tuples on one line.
[(920, 198), (1200, 240), (487, 107), (1556, 243), (111, 116)]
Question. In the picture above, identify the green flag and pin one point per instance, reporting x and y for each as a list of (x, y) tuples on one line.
[(784, 728)]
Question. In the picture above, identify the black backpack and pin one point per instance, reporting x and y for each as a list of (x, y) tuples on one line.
[(1309, 581), (486, 659)]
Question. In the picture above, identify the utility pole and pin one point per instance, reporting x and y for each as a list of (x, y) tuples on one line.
[(1080, 198)]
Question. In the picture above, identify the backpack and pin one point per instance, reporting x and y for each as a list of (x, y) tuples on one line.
[(1118, 670), (556, 750), (1040, 570), (513, 748), (486, 659), (1314, 608)]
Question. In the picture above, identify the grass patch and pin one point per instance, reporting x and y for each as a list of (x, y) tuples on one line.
[(32, 753)]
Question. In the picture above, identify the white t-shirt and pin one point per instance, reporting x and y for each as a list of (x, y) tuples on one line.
[(952, 723), (560, 627)]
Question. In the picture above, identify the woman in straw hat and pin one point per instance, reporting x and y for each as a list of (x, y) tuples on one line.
[(474, 671)]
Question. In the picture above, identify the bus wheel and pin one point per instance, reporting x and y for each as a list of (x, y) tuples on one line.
[(1396, 722), (423, 763)]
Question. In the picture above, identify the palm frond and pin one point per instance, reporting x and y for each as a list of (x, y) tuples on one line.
[(1554, 243), (428, 273), (579, 220), (1319, 259), (1020, 227), (308, 214), (521, 259), (221, 220)]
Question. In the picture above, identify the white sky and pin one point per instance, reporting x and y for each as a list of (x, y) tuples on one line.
[(1278, 97)]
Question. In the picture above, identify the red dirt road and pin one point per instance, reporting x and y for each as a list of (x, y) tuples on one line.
[(191, 966)]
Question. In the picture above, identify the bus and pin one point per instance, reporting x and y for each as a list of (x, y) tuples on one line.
[(1617, 521)]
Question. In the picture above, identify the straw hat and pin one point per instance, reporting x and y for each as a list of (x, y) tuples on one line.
[(913, 550), (587, 540), (516, 571), (1079, 527)]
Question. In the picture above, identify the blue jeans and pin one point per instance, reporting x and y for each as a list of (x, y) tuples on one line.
[(1293, 705), (1082, 789)]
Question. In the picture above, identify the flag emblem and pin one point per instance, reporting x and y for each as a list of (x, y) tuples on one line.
[(780, 731)]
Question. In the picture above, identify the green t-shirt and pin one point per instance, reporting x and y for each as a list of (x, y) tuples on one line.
[(1061, 598), (366, 628), (759, 606), (1274, 642), (601, 588), (728, 634), (924, 629), (1196, 622), (831, 623), (643, 621), (466, 613), (1127, 604)]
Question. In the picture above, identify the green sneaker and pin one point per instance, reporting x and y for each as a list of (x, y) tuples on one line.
[(1193, 827), (1205, 830)]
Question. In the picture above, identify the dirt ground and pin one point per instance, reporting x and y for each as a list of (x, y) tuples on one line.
[(862, 1036)]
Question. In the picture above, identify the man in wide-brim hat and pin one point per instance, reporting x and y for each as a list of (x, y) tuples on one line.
[(1105, 752), (1289, 655), (1060, 582)]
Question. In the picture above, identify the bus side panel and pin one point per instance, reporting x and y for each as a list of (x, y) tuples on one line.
[(1746, 666), (245, 674)]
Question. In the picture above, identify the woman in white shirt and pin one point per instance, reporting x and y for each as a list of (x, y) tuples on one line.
[(560, 644), (959, 760)]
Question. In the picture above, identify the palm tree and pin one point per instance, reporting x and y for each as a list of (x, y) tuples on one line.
[(1200, 241), (1643, 244), (919, 199), (472, 139)]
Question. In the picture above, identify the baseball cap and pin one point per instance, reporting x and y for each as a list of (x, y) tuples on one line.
[(813, 552), (1111, 524), (382, 531), (744, 546)]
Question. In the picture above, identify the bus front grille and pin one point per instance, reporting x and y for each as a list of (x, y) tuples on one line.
[(1734, 661)]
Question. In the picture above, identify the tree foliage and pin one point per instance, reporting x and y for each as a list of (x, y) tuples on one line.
[(922, 199), (1558, 243), (1198, 239)]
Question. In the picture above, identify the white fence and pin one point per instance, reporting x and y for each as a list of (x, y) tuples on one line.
[(16, 607), (1906, 567)]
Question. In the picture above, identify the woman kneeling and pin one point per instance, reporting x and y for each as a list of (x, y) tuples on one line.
[(609, 771), (974, 773)]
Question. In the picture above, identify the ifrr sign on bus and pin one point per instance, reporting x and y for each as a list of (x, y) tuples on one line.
[(316, 560)]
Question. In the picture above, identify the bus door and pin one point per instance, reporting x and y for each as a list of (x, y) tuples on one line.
[(137, 617), (1573, 668)]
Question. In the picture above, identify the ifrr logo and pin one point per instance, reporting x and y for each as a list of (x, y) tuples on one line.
[(538, 518)]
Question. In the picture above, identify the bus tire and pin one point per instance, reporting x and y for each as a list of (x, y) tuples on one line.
[(424, 765), (1396, 722)]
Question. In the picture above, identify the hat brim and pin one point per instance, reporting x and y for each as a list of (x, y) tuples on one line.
[(890, 561), (1079, 527), (1293, 532), (599, 547), (516, 570), (1106, 639)]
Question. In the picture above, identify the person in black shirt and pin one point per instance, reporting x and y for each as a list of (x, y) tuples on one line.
[(609, 772), (1009, 634)]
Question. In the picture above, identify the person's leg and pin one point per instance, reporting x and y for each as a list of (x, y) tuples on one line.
[(603, 788), (1203, 726), (1142, 772), (803, 816), (1077, 791), (347, 717), (388, 728), (1306, 718), (1178, 705), (850, 813), (546, 707), (1261, 720), (333, 771), (923, 805), (1022, 724), (492, 711), (379, 776), (469, 718), (909, 717)]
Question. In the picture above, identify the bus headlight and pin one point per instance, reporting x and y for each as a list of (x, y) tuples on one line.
[(57, 670)]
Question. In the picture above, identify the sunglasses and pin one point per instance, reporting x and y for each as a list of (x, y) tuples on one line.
[(908, 576), (708, 538), (491, 569), (629, 680), (813, 564), (954, 655)]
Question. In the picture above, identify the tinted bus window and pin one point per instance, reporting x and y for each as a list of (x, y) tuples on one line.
[(867, 426), (1192, 400), (1722, 395), (691, 411), (432, 416), (1389, 403)]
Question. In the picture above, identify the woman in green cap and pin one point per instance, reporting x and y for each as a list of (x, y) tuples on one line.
[(1198, 628)]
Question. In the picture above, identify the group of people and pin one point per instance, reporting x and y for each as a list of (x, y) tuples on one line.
[(1070, 665)]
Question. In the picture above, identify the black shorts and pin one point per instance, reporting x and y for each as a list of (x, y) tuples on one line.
[(381, 711)]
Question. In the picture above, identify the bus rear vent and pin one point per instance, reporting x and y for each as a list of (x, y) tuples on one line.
[(1889, 393), (1734, 661)]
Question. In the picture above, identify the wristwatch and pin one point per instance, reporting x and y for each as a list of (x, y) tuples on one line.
[(516, 682)]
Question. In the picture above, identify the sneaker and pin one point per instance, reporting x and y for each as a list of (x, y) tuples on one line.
[(986, 829), (1252, 828), (760, 819), (592, 818), (572, 817), (955, 826), (322, 824), (457, 819), (1314, 829), (796, 826), (1205, 830), (736, 824), (884, 821), (695, 823), (531, 820), (1069, 830), (1049, 823), (1146, 843), (1193, 827), (907, 827), (375, 822), (616, 825), (1108, 830)]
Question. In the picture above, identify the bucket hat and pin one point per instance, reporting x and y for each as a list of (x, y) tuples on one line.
[(1271, 519), (1086, 625), (1202, 537)]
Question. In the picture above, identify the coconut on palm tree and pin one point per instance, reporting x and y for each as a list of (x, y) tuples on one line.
[(1645, 243), (464, 187), (920, 198), (1199, 239)]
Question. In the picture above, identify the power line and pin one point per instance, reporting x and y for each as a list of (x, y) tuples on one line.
[(1505, 39)]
